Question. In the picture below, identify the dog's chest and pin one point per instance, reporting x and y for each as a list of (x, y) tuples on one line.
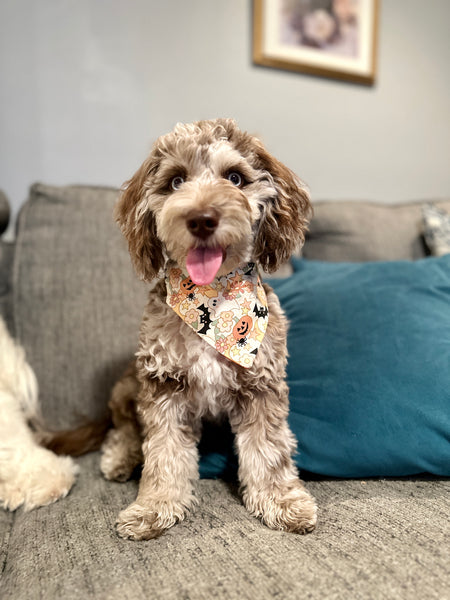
[(170, 348)]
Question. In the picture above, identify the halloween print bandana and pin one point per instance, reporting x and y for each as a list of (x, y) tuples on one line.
[(230, 314)]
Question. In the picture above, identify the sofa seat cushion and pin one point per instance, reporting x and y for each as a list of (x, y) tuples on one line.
[(390, 531)]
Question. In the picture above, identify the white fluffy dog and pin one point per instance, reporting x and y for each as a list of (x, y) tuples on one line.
[(30, 475)]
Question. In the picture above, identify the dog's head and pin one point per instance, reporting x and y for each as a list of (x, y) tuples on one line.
[(210, 197)]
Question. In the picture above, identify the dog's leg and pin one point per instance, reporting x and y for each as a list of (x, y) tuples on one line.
[(170, 464), (121, 451), (271, 488)]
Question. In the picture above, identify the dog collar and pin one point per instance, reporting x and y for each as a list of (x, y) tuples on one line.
[(231, 313)]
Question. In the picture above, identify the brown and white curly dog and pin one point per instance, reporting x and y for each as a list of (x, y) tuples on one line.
[(206, 185)]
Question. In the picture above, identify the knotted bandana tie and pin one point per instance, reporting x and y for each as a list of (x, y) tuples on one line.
[(230, 314)]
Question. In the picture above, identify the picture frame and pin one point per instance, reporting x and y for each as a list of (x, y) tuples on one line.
[(329, 38)]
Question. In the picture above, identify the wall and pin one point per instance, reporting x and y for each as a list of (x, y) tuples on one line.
[(86, 85)]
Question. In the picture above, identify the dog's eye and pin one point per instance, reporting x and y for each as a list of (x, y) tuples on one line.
[(177, 182), (235, 178)]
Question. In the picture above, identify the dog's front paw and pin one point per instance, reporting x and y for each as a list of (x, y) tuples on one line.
[(294, 511), (41, 479), (139, 522)]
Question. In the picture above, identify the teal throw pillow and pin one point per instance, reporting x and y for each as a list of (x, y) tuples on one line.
[(368, 370)]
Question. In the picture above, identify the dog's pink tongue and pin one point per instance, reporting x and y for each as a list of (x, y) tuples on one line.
[(203, 263)]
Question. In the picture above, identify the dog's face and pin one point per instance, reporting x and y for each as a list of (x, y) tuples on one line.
[(210, 197)]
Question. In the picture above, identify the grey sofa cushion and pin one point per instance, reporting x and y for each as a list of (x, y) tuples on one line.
[(376, 539), (6, 523), (78, 303), (6, 295), (361, 231)]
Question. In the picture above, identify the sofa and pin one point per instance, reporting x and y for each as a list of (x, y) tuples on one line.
[(69, 294)]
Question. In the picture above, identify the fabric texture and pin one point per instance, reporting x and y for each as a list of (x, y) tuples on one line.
[(376, 539), (436, 229), (350, 231), (230, 313)]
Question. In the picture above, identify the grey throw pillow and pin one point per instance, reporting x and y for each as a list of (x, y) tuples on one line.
[(436, 224)]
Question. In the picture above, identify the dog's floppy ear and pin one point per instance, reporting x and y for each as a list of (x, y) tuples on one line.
[(285, 215), (138, 224)]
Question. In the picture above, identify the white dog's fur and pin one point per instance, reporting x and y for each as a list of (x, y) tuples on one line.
[(30, 476)]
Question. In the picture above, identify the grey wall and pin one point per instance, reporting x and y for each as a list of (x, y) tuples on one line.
[(86, 85)]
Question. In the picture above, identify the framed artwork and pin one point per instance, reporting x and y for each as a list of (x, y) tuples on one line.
[(330, 38)]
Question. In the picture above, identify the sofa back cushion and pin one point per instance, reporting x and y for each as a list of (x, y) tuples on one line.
[(77, 301), (362, 231)]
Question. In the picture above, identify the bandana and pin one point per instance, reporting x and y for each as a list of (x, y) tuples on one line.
[(230, 314)]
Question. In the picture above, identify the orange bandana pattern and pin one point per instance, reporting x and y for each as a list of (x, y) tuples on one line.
[(230, 314)]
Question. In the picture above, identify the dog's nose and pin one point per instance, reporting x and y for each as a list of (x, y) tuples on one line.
[(202, 224)]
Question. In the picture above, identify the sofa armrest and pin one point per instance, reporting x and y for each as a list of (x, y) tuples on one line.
[(4, 212)]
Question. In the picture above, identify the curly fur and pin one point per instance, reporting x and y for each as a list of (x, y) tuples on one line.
[(177, 378), (30, 476)]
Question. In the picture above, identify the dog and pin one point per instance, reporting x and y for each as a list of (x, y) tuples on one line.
[(30, 475), (206, 209)]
